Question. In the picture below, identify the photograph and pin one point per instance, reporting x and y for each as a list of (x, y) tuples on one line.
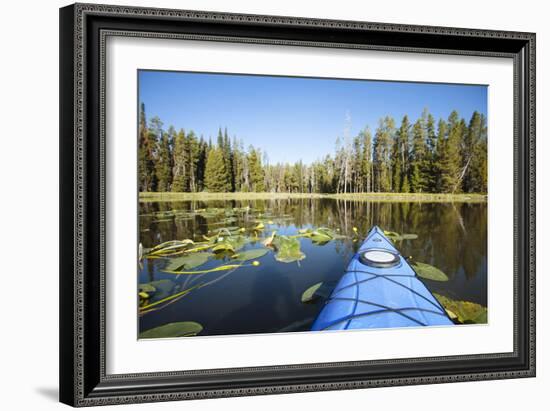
[(277, 204)]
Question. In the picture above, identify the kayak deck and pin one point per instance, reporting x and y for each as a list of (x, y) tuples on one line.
[(379, 295)]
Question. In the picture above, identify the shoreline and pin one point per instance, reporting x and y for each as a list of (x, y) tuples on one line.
[(145, 197)]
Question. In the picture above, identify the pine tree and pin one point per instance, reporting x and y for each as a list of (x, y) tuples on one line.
[(366, 165), (163, 167), (216, 176), (357, 177), (475, 155), (201, 163), (431, 143), (382, 152), (419, 152), (451, 159), (439, 155), (179, 182), (400, 156), (146, 154), (256, 171), (410, 159)]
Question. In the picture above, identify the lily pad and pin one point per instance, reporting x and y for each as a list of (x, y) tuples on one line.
[(321, 237), (169, 245), (318, 291), (231, 243), (429, 272), (179, 329), (466, 312), (392, 235), (147, 288), (250, 254), (288, 249), (187, 261), (158, 289)]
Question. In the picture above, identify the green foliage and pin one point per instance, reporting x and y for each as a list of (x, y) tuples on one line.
[(464, 312), (450, 160), (419, 159), (180, 181), (416, 159), (163, 164), (248, 255), (288, 249), (187, 261), (216, 175), (317, 292), (429, 272), (146, 155), (382, 155), (171, 330), (400, 157), (256, 171)]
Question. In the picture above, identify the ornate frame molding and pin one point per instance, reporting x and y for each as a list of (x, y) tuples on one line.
[(82, 141)]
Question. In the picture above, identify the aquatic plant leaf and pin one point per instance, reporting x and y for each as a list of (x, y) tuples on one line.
[(187, 261), (429, 272), (211, 270), (466, 312), (158, 289), (227, 230), (250, 254), (173, 243), (147, 288), (318, 291), (288, 249), (178, 329), (223, 246), (320, 237), (176, 247), (231, 243), (481, 318), (308, 295), (393, 236)]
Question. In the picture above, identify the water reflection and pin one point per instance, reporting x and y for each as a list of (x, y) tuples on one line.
[(451, 236)]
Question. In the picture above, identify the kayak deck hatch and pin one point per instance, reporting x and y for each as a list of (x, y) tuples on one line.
[(379, 290)]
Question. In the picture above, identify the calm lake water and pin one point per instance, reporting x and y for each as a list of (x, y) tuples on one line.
[(267, 298)]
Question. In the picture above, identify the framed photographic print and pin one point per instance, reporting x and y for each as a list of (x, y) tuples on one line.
[(261, 204)]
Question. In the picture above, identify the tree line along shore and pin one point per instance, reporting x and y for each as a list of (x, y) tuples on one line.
[(419, 159), (372, 197)]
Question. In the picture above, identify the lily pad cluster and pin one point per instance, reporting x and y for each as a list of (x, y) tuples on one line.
[(321, 235), (463, 312)]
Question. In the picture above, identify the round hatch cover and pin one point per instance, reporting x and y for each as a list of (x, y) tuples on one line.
[(379, 258)]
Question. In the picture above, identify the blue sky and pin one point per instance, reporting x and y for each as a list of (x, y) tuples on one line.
[(294, 118)]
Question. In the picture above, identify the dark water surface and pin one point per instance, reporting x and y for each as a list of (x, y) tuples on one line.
[(267, 298)]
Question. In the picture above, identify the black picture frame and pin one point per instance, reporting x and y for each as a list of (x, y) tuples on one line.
[(83, 30)]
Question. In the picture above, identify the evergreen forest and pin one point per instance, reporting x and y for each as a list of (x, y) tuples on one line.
[(413, 156)]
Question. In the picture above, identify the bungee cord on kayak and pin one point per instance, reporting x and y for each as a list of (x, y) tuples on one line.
[(386, 277)]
